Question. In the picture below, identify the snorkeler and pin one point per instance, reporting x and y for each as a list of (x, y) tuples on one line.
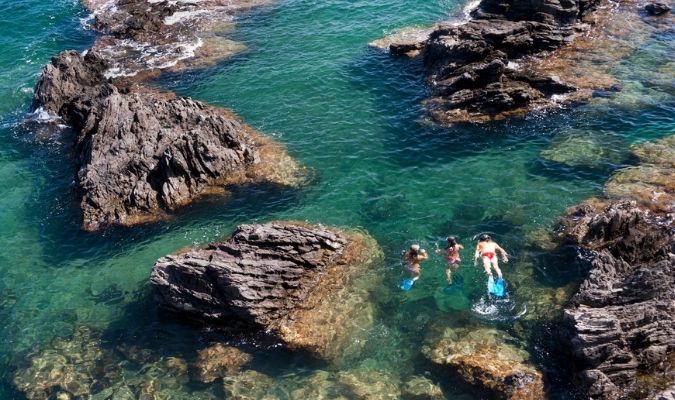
[(413, 257), (487, 250), (451, 257)]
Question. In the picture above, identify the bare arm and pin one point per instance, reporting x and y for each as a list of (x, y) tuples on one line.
[(505, 256), (476, 254)]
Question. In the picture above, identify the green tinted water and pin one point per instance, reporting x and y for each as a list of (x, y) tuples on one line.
[(349, 113)]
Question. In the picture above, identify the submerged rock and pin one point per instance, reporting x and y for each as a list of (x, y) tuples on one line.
[(620, 326), (218, 361), (67, 367), (141, 153), (357, 384), (304, 285), (407, 42), (421, 388), (484, 357), (652, 182), (249, 385), (584, 150)]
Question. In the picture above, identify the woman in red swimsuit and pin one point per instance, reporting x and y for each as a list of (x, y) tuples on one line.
[(487, 251)]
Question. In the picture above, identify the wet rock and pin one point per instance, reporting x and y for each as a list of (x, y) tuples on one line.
[(652, 182), (421, 388), (304, 285), (407, 42), (620, 324), (484, 357), (472, 66), (249, 385), (66, 367), (218, 361), (657, 8), (144, 36), (141, 153)]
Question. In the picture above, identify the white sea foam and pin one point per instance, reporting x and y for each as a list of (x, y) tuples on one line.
[(42, 116), (132, 57), (468, 9), (183, 15)]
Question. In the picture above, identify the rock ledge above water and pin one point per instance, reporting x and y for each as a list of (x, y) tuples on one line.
[(303, 285), (141, 153)]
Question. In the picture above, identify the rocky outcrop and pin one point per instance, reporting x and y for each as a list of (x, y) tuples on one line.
[(483, 357), (620, 325), (512, 57), (657, 8), (141, 153), (145, 36), (304, 285), (471, 65)]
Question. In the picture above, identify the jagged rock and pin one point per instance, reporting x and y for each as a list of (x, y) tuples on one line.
[(620, 323), (657, 8), (304, 285), (66, 367), (421, 388), (218, 361), (141, 153), (483, 357), (469, 65)]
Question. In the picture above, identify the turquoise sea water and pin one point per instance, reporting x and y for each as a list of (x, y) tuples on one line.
[(352, 115)]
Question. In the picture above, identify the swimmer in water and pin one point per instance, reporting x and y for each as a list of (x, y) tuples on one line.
[(413, 257), (487, 251), (451, 257)]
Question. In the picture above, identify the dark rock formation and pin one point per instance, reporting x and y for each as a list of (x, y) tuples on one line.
[(470, 65), (142, 36), (140, 152), (304, 285), (484, 358), (620, 326), (657, 8)]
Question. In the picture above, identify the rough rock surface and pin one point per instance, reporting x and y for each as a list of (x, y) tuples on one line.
[(141, 153), (421, 388), (485, 358), (620, 325), (471, 65), (304, 285)]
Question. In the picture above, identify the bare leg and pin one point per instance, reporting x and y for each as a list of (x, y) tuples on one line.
[(415, 275), (448, 274), (486, 265), (495, 265)]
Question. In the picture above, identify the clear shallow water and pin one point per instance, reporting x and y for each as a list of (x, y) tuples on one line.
[(349, 113)]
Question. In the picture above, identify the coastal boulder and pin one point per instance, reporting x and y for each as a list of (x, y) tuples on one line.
[(620, 326), (303, 285), (141, 153), (484, 357)]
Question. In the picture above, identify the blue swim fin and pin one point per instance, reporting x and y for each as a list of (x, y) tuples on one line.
[(406, 284), (496, 288)]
